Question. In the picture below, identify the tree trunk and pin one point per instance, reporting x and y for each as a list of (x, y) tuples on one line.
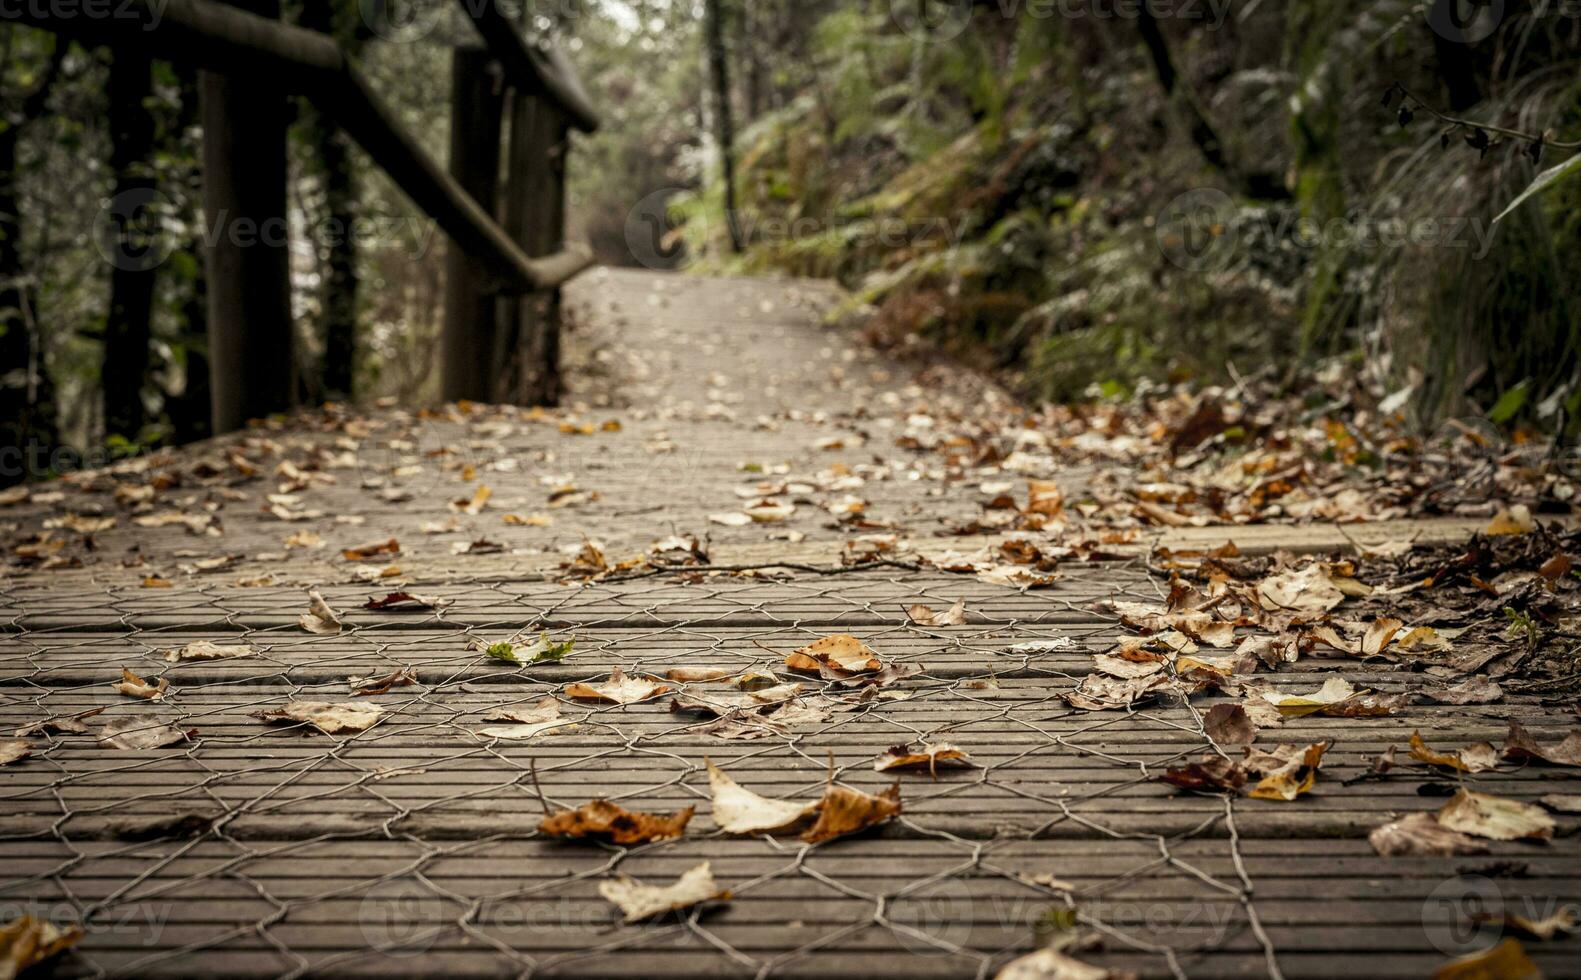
[(336, 244), (724, 120), (133, 247), (469, 341), (27, 404), (1203, 134)]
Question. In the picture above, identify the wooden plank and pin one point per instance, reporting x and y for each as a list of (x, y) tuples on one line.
[(468, 341), (252, 368)]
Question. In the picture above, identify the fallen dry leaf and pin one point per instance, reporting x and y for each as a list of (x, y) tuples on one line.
[(1212, 774), (601, 818), (370, 552), (1097, 692), (25, 942), (1333, 697), (405, 600), (473, 506), (541, 717), (206, 650), (1494, 817), (64, 724), (841, 655), (1287, 772), (930, 755), (1421, 833), (741, 811), (1521, 746), (373, 684), (319, 618), (1506, 961), (926, 616), (1511, 521), (1050, 963), (14, 750), (331, 719), (638, 901), (1473, 758), (1561, 923), (1310, 591), (136, 734), (1229, 724), (619, 689), (844, 811), (133, 686)]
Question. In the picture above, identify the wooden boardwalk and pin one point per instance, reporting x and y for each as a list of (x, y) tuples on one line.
[(410, 848)]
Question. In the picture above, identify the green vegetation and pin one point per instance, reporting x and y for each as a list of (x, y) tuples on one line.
[(1013, 196)]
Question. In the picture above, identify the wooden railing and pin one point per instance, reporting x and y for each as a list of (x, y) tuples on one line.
[(508, 255)]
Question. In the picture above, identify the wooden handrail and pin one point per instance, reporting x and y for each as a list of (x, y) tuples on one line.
[(223, 39), (530, 68)]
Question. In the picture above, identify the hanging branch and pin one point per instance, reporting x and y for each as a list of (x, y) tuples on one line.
[(1475, 133)]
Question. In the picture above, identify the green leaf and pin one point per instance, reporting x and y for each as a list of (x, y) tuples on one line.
[(1544, 180), (1510, 403), (541, 650)]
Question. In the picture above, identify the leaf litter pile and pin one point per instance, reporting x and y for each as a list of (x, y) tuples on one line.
[(1256, 644)]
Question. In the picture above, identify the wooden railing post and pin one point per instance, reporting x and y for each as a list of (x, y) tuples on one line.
[(477, 105), (251, 365), (534, 215)]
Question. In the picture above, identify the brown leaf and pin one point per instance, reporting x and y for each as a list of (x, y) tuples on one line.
[(1506, 961), (1495, 818), (26, 942), (1561, 923), (1228, 724), (1097, 692), (137, 734), (319, 618), (133, 686), (1288, 772), (619, 689), (844, 811), (601, 818), (1212, 774), (930, 755), (1419, 834), (1473, 690), (638, 901), (61, 724), (205, 650), (541, 717), (371, 685), (14, 750), (1473, 758), (331, 719), (405, 600), (1520, 745), (372, 552), (842, 655), (927, 616)]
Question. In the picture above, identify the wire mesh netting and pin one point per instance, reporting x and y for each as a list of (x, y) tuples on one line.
[(411, 847)]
